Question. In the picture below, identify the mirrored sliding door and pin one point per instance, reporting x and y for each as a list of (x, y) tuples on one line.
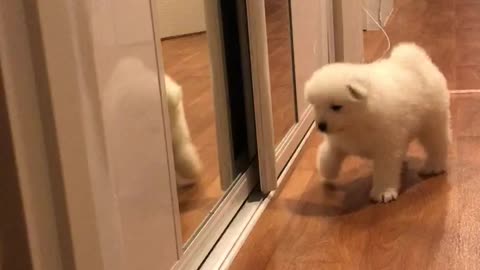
[(166, 115), (188, 86), (202, 48)]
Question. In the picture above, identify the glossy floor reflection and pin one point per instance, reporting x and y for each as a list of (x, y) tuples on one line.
[(187, 61), (447, 29), (435, 223)]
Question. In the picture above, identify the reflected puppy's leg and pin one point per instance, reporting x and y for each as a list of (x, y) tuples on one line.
[(187, 161)]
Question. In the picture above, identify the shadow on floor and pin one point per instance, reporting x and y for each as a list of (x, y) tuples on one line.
[(351, 196)]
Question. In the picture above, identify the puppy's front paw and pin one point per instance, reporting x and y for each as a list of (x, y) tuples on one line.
[(384, 195)]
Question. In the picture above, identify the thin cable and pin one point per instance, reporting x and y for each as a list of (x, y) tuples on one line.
[(381, 28)]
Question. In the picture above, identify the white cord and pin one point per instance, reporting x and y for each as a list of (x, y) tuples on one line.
[(381, 28)]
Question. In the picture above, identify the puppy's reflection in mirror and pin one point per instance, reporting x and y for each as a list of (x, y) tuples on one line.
[(131, 108), (187, 161)]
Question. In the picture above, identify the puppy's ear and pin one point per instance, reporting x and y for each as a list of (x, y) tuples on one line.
[(357, 91)]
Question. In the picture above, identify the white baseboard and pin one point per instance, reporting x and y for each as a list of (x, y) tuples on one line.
[(464, 91)]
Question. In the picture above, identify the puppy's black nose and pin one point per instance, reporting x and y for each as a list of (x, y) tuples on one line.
[(322, 126)]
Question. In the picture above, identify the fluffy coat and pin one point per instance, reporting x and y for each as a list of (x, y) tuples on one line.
[(375, 110)]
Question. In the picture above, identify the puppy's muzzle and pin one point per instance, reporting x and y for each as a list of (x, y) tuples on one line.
[(322, 126)]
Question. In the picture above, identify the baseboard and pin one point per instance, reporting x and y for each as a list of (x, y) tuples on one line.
[(464, 91)]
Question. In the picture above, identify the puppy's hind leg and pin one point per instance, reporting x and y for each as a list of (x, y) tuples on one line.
[(435, 138), (329, 161)]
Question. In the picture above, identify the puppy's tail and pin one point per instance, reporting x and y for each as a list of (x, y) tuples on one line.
[(409, 55)]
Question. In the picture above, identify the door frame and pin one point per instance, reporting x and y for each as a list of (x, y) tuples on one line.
[(348, 30), (274, 159), (28, 137)]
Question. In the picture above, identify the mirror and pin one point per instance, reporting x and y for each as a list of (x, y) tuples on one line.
[(280, 55), (188, 82)]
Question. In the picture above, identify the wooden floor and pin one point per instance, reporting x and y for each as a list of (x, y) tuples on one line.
[(435, 223), (448, 29), (186, 60)]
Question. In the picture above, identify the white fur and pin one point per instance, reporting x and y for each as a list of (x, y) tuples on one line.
[(386, 105), (187, 162)]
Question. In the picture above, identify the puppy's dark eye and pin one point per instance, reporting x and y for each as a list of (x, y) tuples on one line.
[(336, 108)]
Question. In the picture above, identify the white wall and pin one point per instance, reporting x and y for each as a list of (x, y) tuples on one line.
[(310, 42), (386, 10), (180, 17), (348, 30)]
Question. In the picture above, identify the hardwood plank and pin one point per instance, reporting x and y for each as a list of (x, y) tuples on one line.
[(447, 29), (434, 224)]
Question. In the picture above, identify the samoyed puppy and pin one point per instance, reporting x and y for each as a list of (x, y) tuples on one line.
[(375, 110)]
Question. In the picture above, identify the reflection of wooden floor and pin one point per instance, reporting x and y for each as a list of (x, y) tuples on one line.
[(186, 60), (449, 31), (434, 224)]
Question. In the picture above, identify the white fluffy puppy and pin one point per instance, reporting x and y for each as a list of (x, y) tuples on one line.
[(375, 110)]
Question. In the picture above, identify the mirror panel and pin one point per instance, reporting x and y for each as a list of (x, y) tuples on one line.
[(280, 55), (192, 121), (208, 85), (188, 83)]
